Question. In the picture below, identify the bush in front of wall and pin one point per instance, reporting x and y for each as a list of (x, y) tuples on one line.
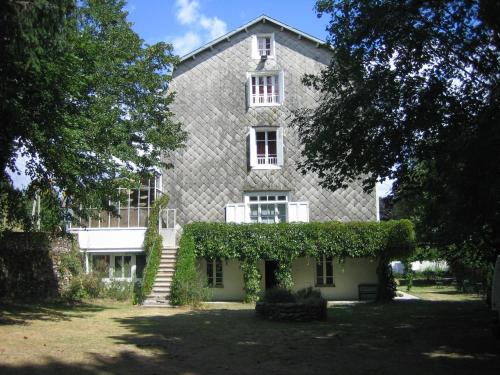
[(187, 286), (120, 290)]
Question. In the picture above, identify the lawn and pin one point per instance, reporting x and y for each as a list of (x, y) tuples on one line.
[(446, 336)]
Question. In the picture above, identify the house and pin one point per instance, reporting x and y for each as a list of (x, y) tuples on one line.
[(236, 97)]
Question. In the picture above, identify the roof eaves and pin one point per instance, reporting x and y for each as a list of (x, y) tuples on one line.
[(228, 35)]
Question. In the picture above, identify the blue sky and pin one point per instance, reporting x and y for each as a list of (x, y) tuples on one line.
[(188, 24)]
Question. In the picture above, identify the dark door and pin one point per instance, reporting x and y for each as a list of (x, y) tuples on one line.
[(271, 267)]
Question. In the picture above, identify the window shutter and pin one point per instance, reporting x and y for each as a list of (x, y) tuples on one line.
[(253, 148), (235, 213), (279, 146), (249, 90), (255, 48), (298, 212), (282, 86)]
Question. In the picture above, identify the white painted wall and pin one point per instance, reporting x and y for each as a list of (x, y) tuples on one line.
[(116, 239), (347, 277)]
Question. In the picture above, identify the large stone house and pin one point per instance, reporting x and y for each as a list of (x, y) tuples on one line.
[(236, 97)]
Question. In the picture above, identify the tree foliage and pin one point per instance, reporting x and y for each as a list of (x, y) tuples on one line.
[(412, 93), (83, 99)]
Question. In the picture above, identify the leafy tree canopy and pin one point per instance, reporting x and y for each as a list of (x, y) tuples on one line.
[(82, 98), (412, 93)]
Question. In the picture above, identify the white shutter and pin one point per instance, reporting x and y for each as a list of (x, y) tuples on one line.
[(253, 148), (298, 212), (282, 86), (279, 146), (255, 48), (249, 90), (235, 213)]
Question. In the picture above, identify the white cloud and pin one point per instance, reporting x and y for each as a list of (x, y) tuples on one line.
[(201, 28), (188, 11), (186, 43), (215, 26)]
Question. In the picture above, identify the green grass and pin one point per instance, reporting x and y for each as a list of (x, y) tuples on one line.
[(441, 293), (445, 336)]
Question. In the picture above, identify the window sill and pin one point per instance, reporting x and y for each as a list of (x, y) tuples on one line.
[(325, 285), (260, 105), (219, 286), (266, 166), (273, 57)]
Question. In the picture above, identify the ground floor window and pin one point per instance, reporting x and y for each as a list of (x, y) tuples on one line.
[(101, 264), (214, 273), (324, 271), (123, 266), (118, 266)]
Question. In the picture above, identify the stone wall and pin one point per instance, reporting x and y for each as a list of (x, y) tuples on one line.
[(36, 265)]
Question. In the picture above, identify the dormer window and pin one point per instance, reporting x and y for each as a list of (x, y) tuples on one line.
[(263, 45)]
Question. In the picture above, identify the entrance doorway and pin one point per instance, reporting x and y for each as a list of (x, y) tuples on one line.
[(270, 276)]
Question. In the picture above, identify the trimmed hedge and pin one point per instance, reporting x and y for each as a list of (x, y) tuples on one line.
[(153, 244), (285, 242)]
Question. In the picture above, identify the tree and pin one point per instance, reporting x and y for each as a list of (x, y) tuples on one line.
[(83, 99), (412, 93)]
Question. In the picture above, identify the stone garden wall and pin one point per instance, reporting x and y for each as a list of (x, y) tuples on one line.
[(36, 265)]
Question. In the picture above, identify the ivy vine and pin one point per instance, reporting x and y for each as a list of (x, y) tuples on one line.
[(285, 242)]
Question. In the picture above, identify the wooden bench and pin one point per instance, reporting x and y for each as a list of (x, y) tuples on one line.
[(367, 292)]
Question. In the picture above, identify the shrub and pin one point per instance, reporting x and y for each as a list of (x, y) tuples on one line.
[(76, 290), (308, 294), (188, 288), (276, 295), (120, 290)]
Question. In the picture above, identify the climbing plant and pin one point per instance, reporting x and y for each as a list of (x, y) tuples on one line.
[(153, 244), (287, 241)]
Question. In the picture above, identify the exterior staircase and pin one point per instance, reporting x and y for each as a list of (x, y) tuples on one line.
[(160, 294)]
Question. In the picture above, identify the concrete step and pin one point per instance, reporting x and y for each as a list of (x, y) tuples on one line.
[(162, 284), (161, 289), (165, 273)]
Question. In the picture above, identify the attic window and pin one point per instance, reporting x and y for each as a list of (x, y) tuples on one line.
[(263, 45)]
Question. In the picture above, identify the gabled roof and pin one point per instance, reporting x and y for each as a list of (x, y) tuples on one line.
[(262, 18)]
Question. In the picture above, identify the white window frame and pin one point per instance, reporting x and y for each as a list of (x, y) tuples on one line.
[(254, 161), (323, 263), (250, 195), (255, 46), (213, 263), (112, 265), (278, 91)]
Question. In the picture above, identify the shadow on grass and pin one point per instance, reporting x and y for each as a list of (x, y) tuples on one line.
[(411, 336), (21, 312)]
